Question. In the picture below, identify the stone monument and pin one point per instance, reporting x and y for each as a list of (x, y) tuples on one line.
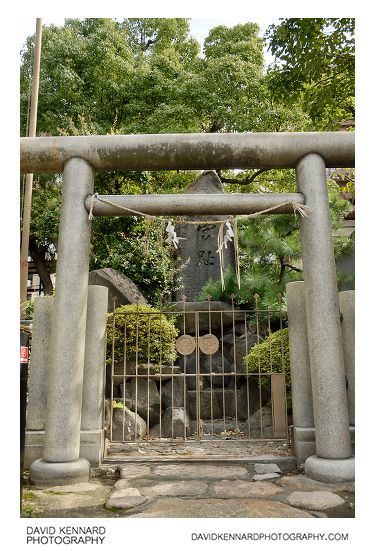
[(197, 251)]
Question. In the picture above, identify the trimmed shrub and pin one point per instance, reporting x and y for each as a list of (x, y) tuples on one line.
[(147, 331), (275, 347)]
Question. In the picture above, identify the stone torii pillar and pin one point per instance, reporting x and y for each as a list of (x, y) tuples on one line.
[(61, 463), (333, 461)]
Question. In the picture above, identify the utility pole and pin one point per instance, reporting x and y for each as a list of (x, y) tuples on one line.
[(29, 177)]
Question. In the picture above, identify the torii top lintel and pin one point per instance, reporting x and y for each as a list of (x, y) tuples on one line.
[(187, 151)]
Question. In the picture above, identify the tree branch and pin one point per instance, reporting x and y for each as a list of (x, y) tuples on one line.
[(37, 254), (294, 268), (244, 181)]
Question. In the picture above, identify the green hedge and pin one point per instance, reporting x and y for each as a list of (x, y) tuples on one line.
[(156, 335), (275, 346)]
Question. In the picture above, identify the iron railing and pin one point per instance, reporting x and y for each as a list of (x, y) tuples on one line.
[(197, 387)]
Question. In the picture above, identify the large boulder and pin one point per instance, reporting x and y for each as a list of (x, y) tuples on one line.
[(173, 392), (221, 314), (179, 419), (261, 425), (119, 287), (148, 399), (127, 426), (209, 403), (214, 364), (241, 348)]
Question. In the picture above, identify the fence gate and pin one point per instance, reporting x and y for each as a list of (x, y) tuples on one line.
[(180, 375)]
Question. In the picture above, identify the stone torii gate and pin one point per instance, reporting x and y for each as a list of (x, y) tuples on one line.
[(78, 157)]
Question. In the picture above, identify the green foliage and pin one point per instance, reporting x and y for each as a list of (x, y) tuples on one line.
[(145, 75), (150, 336), (270, 250), (29, 309), (271, 356), (314, 64)]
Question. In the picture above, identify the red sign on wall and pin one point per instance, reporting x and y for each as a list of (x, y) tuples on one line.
[(24, 358)]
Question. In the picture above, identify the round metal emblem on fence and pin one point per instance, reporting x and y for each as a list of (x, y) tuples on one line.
[(209, 344), (185, 345)]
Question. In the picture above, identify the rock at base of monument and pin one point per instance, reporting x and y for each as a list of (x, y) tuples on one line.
[(154, 370), (228, 427), (145, 394), (175, 423), (221, 315), (127, 426), (261, 425), (120, 287), (240, 349), (214, 364), (173, 393), (249, 396), (209, 403)]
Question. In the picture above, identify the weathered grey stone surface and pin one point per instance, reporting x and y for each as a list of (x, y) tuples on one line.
[(39, 363), (241, 348), (215, 363), (95, 351), (249, 392), (302, 482), (181, 488), (174, 388), (262, 468), (66, 497), (119, 287), (243, 488), (221, 314), (303, 414), (266, 476), (331, 418), (218, 426), (317, 501), (197, 251), (133, 424), (219, 508), (206, 398), (45, 473), (205, 471), (132, 471), (330, 470), (347, 309), (125, 498), (148, 399), (262, 418), (175, 423)]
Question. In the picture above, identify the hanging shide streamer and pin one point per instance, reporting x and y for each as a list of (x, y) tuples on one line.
[(228, 230)]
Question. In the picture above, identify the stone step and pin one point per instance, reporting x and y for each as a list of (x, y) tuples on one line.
[(285, 463)]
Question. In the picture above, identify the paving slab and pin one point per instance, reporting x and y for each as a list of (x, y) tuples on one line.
[(318, 501), (219, 508), (243, 488), (266, 476), (134, 471), (262, 468), (72, 496), (183, 488), (205, 471), (125, 498), (302, 482)]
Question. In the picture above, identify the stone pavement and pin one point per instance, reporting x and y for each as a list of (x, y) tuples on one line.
[(255, 489)]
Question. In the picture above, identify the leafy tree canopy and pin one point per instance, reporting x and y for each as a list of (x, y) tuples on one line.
[(103, 76), (314, 60)]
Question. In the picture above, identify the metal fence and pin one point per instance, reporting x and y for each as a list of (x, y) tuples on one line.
[(178, 373)]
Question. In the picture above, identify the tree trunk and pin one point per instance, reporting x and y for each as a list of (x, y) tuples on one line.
[(38, 255)]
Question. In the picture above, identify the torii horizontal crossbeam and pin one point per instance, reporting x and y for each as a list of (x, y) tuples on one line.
[(187, 151), (202, 204)]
